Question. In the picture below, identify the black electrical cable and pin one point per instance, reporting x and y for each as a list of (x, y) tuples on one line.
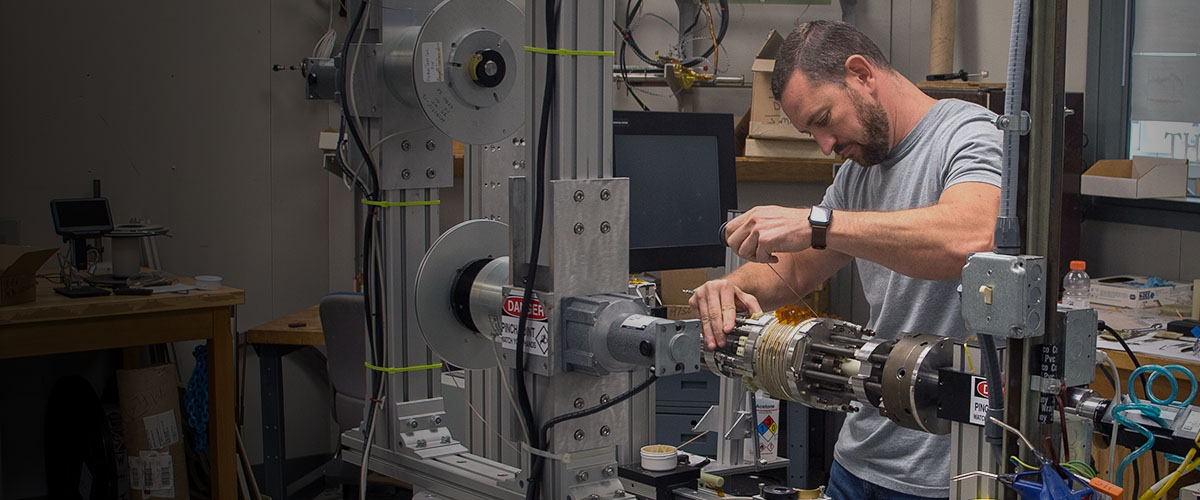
[(695, 21), (345, 101), (372, 303), (1137, 476), (1129, 351), (991, 369), (627, 35), (544, 433), (1112, 382), (1145, 384), (625, 77), (541, 174), (545, 430)]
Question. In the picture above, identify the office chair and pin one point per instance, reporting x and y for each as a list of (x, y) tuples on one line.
[(344, 325)]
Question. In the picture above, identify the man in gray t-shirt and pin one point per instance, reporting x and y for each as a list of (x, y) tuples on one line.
[(918, 193)]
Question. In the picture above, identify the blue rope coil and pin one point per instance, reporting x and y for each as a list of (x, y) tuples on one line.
[(196, 401)]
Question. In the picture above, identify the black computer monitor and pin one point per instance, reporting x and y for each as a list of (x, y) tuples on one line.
[(77, 219), (682, 182), (81, 217)]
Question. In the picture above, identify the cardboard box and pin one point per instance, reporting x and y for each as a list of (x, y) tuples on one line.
[(1132, 292), (1141, 177), (776, 148), (18, 266), (154, 437), (677, 313), (767, 120), (675, 281)]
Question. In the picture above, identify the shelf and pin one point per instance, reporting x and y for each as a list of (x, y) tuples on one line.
[(756, 169), (749, 169)]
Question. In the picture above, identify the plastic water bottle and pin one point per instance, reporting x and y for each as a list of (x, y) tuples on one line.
[(1077, 286)]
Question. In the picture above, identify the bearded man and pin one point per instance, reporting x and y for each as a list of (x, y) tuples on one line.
[(918, 192)]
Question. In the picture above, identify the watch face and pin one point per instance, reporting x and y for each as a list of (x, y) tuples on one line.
[(819, 215)]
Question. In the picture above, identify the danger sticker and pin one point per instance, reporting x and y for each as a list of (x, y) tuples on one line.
[(537, 329), (979, 400)]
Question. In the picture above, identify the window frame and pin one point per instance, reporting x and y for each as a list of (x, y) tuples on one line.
[(1106, 118)]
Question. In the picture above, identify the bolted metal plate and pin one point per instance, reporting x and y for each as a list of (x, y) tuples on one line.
[(446, 336)]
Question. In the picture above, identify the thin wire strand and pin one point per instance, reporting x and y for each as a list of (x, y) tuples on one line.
[(789, 285), (1014, 430), (713, 33), (508, 391), (467, 399), (693, 439)]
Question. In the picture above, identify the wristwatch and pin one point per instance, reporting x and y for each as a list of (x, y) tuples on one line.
[(819, 218)]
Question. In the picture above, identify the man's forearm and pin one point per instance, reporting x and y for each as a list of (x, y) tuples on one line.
[(772, 291), (926, 243)]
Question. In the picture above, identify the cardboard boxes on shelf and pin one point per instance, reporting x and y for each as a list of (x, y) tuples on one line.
[(1141, 177), (771, 133)]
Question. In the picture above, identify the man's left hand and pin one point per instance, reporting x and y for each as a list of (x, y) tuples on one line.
[(763, 231)]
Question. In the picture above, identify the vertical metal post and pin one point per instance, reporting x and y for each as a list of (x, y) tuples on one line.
[(408, 233), (1043, 187), (270, 362), (578, 147)]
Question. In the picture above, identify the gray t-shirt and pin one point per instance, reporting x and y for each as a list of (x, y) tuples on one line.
[(954, 142)]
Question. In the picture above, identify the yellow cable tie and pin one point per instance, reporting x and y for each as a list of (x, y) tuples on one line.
[(569, 52), (388, 204), (403, 368)]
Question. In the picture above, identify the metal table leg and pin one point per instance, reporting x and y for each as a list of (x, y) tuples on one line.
[(270, 359)]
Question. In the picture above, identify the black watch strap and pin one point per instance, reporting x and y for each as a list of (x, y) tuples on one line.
[(818, 236)]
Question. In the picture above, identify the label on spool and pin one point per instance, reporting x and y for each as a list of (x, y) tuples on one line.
[(537, 329), (431, 62)]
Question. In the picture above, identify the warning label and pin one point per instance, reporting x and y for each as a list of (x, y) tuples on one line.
[(979, 400), (537, 330)]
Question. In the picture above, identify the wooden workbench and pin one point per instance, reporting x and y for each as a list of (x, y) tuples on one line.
[(55, 324), (272, 341)]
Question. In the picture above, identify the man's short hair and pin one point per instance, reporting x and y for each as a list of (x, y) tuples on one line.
[(820, 49)]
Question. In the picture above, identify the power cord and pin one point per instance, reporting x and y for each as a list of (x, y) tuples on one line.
[(1145, 383), (539, 207)]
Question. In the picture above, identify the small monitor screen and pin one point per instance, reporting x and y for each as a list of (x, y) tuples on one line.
[(682, 182), (82, 215), (672, 182)]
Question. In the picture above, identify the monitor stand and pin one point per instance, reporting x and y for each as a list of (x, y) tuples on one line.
[(76, 292)]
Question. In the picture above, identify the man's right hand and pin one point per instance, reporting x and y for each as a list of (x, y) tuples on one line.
[(717, 303)]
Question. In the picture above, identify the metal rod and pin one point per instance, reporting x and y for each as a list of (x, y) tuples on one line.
[(826, 377), (645, 78), (832, 349), (856, 342)]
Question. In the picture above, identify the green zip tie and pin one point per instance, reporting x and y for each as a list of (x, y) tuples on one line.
[(402, 369), (387, 204), (569, 52)]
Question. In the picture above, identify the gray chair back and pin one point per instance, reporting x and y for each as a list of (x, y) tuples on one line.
[(344, 326)]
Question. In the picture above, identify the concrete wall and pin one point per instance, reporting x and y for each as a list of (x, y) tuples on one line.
[(174, 107), (1112, 248)]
